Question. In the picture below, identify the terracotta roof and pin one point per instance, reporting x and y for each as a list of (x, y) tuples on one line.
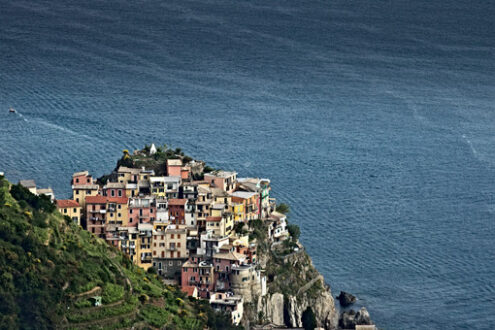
[(189, 290), (213, 218), (67, 203), (177, 201), (117, 200), (96, 199)]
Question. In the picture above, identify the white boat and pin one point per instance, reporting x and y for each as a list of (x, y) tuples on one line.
[(12, 110)]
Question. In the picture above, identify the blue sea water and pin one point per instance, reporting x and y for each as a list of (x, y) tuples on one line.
[(374, 119)]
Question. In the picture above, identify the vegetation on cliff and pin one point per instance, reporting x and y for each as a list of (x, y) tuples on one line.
[(51, 270)]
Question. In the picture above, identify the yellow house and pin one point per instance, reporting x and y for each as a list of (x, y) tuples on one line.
[(238, 211), (70, 208), (83, 185), (145, 175), (131, 190), (144, 258), (117, 211), (220, 225), (127, 174), (250, 202), (158, 186)]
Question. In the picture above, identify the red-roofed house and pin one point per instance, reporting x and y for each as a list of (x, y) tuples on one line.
[(191, 291), (70, 208)]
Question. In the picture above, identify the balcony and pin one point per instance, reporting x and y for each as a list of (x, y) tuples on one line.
[(171, 248)]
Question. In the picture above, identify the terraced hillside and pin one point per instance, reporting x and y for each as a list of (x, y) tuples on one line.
[(51, 271)]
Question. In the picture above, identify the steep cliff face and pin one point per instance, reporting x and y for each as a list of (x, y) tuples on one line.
[(294, 287)]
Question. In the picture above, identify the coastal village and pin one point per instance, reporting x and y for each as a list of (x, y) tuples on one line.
[(190, 226), (220, 238)]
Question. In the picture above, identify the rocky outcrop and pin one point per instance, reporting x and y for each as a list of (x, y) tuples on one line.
[(272, 307), (322, 305), (346, 299), (295, 286), (349, 319)]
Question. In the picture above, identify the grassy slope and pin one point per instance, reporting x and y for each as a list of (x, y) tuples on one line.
[(46, 262)]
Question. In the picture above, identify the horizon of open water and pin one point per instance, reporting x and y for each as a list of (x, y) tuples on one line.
[(374, 119)]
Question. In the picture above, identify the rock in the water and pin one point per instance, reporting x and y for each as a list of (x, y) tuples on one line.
[(349, 319), (363, 317), (346, 299)]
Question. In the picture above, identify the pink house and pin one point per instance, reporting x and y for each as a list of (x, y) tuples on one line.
[(82, 179), (174, 167), (114, 189), (222, 180), (141, 210), (199, 274)]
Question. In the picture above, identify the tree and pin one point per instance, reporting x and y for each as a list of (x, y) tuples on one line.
[(208, 169), (239, 228), (294, 232), (283, 208)]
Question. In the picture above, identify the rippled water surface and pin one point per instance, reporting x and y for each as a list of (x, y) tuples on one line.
[(375, 120)]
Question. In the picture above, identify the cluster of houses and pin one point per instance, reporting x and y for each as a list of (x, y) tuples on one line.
[(181, 227)]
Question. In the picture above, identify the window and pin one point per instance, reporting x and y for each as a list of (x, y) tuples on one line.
[(178, 244), (119, 214), (77, 200), (178, 236), (77, 192), (112, 192), (65, 210), (130, 211), (75, 210), (172, 236), (119, 206), (120, 195), (88, 180), (77, 180), (178, 254)]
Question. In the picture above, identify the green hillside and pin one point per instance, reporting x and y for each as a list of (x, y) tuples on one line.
[(50, 269)]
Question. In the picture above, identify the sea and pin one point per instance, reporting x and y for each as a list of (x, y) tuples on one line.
[(374, 120)]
